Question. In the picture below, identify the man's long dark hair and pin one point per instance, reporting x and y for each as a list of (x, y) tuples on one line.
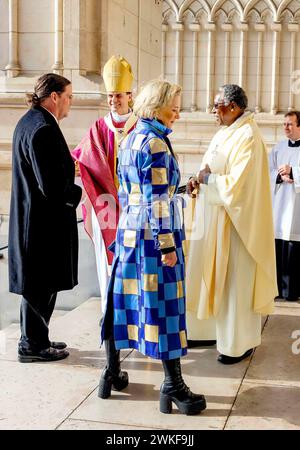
[(45, 85)]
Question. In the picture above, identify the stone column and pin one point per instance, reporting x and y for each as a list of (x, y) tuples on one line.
[(294, 29), (58, 37), (164, 30), (210, 27), (276, 28), (227, 27), (178, 28), (195, 28), (260, 28), (243, 55), (13, 67)]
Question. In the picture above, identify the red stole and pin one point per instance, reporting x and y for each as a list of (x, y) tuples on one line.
[(96, 160)]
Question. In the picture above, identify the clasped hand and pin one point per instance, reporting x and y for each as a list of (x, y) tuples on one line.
[(284, 171), (169, 259), (193, 184)]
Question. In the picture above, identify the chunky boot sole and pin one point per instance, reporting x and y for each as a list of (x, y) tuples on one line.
[(165, 405), (120, 383), (117, 384), (104, 390)]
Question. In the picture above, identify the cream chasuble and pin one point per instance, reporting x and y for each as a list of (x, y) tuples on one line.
[(231, 261)]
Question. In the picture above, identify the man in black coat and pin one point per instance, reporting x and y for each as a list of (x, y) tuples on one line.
[(43, 236)]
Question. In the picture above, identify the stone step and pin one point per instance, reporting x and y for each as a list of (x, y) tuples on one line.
[(14, 328), (11, 330), (62, 320)]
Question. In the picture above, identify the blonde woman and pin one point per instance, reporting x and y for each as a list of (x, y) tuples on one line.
[(146, 297)]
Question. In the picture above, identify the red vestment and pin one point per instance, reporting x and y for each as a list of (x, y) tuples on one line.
[(96, 156)]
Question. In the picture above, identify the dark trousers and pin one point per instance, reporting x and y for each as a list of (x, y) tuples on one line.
[(35, 314), (288, 268), (108, 319)]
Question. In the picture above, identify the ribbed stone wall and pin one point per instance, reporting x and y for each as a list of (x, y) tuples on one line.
[(255, 44), (200, 44)]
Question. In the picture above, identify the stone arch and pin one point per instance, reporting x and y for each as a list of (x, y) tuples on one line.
[(252, 3), (297, 16), (281, 9), (218, 5), (202, 14), (286, 13), (174, 8), (220, 16), (253, 13), (234, 14), (187, 3), (267, 16), (168, 15), (186, 15)]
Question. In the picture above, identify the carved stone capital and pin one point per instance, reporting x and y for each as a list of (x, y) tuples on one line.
[(177, 26), (210, 26), (194, 27), (243, 26), (259, 27), (276, 26), (293, 27), (227, 27)]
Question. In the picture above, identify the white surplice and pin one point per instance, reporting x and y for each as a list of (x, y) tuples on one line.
[(286, 196)]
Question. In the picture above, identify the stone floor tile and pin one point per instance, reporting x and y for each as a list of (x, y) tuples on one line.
[(41, 395), (274, 359), (138, 405), (89, 425), (266, 407)]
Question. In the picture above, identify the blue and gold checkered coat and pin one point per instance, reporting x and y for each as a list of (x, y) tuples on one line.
[(149, 297)]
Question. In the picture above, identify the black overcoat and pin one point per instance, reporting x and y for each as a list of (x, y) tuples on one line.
[(43, 236)]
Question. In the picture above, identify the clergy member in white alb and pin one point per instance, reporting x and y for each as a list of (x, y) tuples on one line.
[(231, 262), (285, 176)]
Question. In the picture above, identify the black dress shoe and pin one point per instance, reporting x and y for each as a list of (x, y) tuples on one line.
[(224, 359), (58, 345), (49, 354), (203, 343)]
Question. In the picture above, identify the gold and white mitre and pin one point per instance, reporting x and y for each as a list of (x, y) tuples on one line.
[(117, 75)]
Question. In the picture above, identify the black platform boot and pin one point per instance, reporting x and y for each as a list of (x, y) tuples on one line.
[(112, 376), (175, 390)]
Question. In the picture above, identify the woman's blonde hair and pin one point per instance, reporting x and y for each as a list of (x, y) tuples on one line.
[(154, 96)]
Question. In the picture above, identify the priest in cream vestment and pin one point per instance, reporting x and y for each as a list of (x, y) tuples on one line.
[(231, 265)]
